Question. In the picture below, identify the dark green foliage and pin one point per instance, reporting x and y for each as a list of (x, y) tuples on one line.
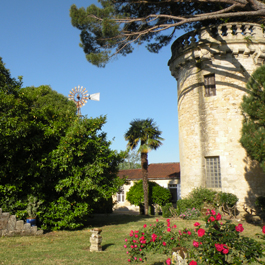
[(166, 213), (50, 153), (253, 108), (157, 194), (226, 199), (198, 197), (117, 25)]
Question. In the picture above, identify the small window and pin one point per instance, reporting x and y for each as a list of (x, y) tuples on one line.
[(209, 84), (120, 195), (213, 172)]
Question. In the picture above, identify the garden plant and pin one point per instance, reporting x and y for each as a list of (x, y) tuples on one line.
[(216, 242)]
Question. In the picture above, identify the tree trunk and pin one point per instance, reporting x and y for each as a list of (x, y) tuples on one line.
[(144, 164)]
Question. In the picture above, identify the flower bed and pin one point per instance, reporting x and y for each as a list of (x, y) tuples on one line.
[(216, 242)]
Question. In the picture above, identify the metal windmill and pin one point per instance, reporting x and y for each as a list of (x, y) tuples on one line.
[(80, 96)]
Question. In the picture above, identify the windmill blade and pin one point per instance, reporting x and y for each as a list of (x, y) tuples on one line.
[(95, 96)]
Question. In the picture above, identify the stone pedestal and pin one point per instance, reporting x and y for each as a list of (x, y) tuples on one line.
[(179, 256), (95, 240)]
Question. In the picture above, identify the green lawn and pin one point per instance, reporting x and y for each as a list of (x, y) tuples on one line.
[(72, 247)]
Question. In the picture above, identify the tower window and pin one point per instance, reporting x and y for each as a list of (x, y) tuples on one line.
[(209, 84), (213, 172)]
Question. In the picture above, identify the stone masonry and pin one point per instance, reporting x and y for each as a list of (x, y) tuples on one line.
[(9, 226), (211, 126)]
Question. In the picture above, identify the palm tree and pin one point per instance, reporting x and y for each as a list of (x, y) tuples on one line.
[(147, 134)]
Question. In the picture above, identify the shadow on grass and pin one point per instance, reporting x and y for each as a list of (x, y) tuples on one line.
[(100, 220), (104, 247), (158, 263)]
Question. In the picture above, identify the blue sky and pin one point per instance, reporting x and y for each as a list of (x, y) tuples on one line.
[(39, 43)]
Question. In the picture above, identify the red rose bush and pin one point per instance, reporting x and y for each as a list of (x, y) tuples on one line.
[(213, 243)]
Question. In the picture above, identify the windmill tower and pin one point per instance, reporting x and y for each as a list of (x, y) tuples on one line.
[(80, 96), (211, 67)]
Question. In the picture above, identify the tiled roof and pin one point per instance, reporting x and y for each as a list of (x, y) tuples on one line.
[(155, 171)]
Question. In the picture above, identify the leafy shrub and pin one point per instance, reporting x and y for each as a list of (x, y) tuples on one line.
[(156, 194), (184, 204), (166, 210), (202, 195), (227, 199), (190, 214)]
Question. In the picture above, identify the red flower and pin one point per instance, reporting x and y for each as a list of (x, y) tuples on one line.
[(136, 236), (140, 259), (197, 224), (193, 262), (213, 212), (125, 246), (263, 230), (157, 220), (239, 228), (201, 232), (212, 219), (225, 251), (169, 229), (145, 225), (189, 233), (219, 247), (168, 261), (174, 226), (168, 224), (129, 260), (195, 244), (218, 217), (164, 243), (168, 220)]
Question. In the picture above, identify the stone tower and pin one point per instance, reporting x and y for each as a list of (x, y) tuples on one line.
[(211, 67)]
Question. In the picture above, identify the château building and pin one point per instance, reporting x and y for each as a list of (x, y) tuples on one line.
[(212, 67)]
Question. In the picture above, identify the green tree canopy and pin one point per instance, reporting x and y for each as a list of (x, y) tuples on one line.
[(49, 152), (157, 194), (131, 161), (253, 107), (146, 134), (113, 28)]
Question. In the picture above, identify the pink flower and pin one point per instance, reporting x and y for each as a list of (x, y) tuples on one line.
[(127, 252), (140, 259), (213, 212), (157, 220), (180, 233), (225, 251), (131, 234), (140, 249), (150, 224), (126, 240), (136, 236), (132, 246), (189, 233), (135, 258), (129, 260), (168, 261), (134, 241), (201, 232), (145, 225), (263, 229), (193, 262), (135, 246), (219, 247), (195, 244), (168, 220), (164, 243), (174, 226), (218, 217), (212, 219), (168, 224), (197, 224), (239, 228), (125, 246), (169, 229)]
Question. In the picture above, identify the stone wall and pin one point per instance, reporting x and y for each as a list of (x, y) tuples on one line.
[(211, 126), (9, 226)]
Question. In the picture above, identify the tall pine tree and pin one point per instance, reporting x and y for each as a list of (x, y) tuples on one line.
[(253, 107)]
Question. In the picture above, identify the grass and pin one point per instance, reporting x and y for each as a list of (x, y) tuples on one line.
[(72, 247)]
